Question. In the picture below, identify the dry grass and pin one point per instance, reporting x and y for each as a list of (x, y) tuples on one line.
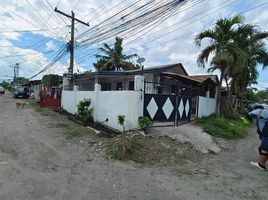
[(149, 151)]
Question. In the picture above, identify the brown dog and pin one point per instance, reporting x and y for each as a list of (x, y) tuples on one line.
[(20, 104)]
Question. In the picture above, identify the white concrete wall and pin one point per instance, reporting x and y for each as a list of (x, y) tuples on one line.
[(206, 106), (110, 104), (68, 101)]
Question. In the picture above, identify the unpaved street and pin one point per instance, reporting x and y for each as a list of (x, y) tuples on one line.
[(37, 162)]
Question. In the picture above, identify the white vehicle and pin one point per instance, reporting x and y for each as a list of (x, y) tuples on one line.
[(2, 90)]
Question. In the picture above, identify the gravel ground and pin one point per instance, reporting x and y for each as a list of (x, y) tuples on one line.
[(37, 162)]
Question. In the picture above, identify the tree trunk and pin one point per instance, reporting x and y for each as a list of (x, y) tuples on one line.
[(230, 101), (218, 103)]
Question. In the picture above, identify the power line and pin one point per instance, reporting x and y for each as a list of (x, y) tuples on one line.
[(53, 10), (33, 30), (187, 34), (26, 54)]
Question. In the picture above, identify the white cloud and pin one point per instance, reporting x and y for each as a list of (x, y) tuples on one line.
[(50, 45), (164, 50)]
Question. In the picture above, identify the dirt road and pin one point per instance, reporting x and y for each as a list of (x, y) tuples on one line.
[(37, 162)]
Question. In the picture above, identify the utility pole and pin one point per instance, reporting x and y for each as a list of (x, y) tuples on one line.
[(71, 42), (16, 69)]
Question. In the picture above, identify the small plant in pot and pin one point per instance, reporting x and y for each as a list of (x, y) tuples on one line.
[(144, 123)]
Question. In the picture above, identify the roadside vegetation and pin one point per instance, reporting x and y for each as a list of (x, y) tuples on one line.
[(71, 130), (149, 151), (228, 127), (236, 50)]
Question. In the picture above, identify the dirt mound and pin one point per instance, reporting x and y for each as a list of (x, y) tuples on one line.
[(150, 151)]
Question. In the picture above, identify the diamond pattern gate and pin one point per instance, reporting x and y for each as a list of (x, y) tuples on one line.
[(167, 110), (160, 108), (184, 109)]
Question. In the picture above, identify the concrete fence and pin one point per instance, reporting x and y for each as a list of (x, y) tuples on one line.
[(108, 104), (206, 106)]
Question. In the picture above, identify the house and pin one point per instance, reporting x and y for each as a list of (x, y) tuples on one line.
[(34, 87), (166, 94), (164, 79)]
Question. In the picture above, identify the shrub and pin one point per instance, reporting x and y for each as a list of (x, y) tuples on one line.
[(121, 121), (84, 112), (144, 123)]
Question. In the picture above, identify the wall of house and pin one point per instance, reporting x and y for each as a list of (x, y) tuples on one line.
[(206, 106), (109, 104), (70, 99)]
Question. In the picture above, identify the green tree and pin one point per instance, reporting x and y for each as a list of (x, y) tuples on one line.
[(114, 58), (236, 49), (249, 38), (261, 95), (250, 94), (50, 80), (6, 85), (20, 81)]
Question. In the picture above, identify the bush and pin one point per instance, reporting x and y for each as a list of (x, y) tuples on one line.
[(121, 121), (144, 123), (228, 128), (232, 116), (84, 112)]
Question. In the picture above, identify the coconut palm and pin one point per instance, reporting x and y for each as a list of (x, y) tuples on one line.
[(114, 58), (222, 49)]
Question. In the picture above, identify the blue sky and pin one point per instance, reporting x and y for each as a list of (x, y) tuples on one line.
[(170, 42)]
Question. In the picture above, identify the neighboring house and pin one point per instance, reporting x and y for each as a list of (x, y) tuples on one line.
[(165, 79), (51, 96), (35, 88)]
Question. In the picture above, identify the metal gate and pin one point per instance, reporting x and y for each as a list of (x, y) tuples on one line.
[(160, 108), (166, 109)]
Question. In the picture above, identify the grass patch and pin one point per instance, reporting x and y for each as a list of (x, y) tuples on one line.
[(71, 133), (63, 125), (70, 130), (225, 127), (34, 104)]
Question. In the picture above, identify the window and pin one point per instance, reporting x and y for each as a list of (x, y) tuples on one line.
[(119, 86), (173, 89), (131, 85), (105, 86)]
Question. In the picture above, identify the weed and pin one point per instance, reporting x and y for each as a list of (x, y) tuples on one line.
[(127, 148), (121, 121), (63, 125), (71, 133), (144, 123), (228, 128)]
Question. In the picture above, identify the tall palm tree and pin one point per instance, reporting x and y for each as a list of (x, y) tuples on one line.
[(251, 40), (221, 48), (114, 58)]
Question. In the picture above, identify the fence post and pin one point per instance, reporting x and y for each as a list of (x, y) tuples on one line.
[(139, 86), (97, 90), (75, 93)]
